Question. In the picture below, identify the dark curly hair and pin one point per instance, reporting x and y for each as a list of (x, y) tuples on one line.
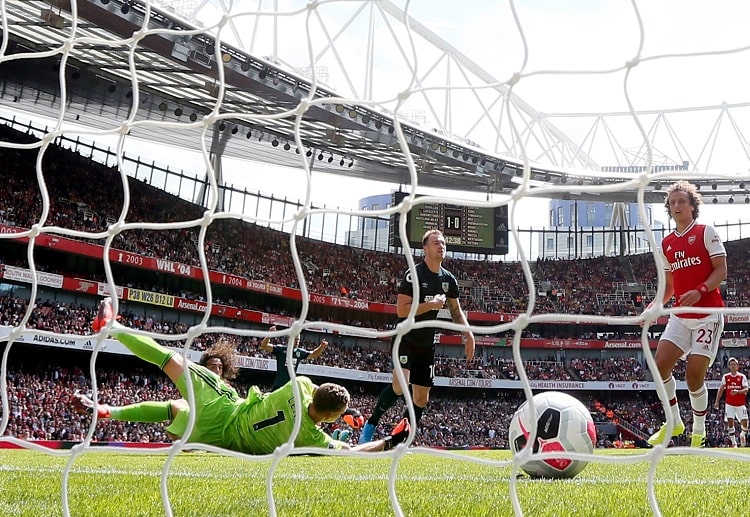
[(692, 192), (331, 397), (225, 352)]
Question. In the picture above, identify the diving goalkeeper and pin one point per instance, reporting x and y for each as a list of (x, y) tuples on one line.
[(257, 424)]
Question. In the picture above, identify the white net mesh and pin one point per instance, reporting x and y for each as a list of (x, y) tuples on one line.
[(246, 77)]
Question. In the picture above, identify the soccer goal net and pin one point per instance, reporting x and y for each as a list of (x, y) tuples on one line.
[(472, 122)]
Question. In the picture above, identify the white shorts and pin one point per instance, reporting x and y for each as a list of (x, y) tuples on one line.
[(735, 412), (695, 336)]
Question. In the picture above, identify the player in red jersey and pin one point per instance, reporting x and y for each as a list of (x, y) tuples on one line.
[(696, 264), (734, 383)]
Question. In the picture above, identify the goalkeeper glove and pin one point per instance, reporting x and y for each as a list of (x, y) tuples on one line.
[(398, 435), (354, 418), (341, 435)]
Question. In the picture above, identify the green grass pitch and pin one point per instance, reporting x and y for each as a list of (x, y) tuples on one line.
[(207, 484)]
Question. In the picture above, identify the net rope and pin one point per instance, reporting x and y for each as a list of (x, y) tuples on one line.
[(639, 182)]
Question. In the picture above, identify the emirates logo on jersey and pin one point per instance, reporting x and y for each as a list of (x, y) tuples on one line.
[(681, 260)]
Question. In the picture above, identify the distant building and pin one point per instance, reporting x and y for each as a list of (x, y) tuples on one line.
[(371, 233), (584, 229)]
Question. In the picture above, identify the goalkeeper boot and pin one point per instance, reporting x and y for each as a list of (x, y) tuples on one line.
[(104, 315), (658, 436), (84, 405), (368, 431), (698, 440)]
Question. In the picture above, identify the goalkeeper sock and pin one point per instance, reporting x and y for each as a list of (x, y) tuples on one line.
[(699, 403), (150, 411), (386, 400), (145, 348)]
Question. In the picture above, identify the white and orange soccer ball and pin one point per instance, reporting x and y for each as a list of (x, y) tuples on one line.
[(563, 424)]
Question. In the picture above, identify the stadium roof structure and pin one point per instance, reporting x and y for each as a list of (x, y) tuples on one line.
[(179, 82)]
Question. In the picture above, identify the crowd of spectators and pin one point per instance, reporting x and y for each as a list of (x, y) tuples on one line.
[(75, 319), (613, 369), (39, 407), (577, 282), (256, 252), (39, 398), (40, 404)]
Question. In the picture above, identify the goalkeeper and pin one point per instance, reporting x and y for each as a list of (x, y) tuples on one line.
[(257, 424)]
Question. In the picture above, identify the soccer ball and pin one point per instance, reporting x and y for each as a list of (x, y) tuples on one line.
[(563, 424)]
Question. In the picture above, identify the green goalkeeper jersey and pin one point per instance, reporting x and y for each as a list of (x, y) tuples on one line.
[(253, 425), (260, 427)]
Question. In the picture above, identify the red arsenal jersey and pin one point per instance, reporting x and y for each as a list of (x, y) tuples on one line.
[(731, 382), (688, 255)]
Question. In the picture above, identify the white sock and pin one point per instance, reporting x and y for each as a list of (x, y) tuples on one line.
[(671, 387), (699, 403)]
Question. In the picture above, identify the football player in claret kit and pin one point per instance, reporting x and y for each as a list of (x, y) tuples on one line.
[(696, 264), (734, 383)]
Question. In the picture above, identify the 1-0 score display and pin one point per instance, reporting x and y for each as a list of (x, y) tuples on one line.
[(467, 229), (462, 226)]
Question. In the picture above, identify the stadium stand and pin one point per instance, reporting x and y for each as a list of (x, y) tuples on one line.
[(40, 386)]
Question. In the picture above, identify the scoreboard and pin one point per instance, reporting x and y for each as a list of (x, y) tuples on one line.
[(467, 229)]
